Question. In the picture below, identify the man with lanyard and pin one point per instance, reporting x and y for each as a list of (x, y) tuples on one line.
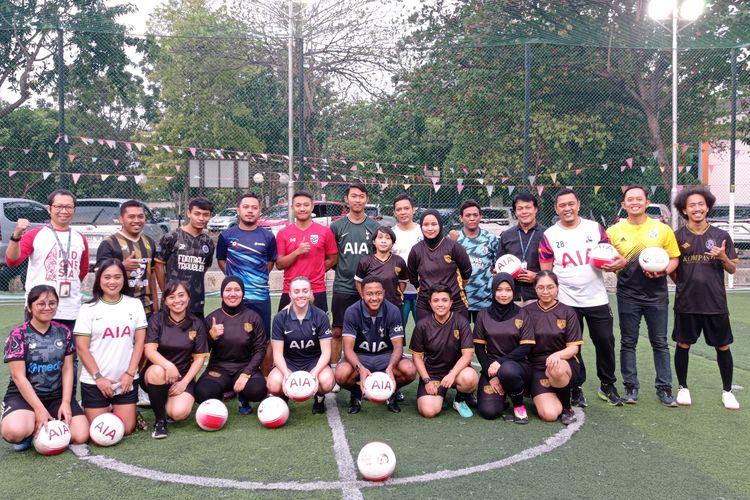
[(249, 252), (523, 242), (407, 234), (353, 235), (564, 249), (187, 253), (373, 339)]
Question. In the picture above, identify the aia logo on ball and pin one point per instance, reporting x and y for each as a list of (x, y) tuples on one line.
[(710, 244)]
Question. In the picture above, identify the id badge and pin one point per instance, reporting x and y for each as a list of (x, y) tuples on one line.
[(64, 290), (523, 265)]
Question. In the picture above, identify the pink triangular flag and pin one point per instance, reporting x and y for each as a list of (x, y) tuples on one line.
[(343, 177), (11, 173), (323, 184), (71, 157), (58, 139), (177, 167), (629, 161), (75, 178), (26, 151), (459, 187), (623, 188), (578, 171), (116, 162), (383, 186), (623, 167), (680, 168), (643, 169), (168, 177), (112, 144), (129, 146), (193, 151), (540, 189), (504, 179), (353, 168), (100, 141), (466, 170), (680, 187), (685, 147)]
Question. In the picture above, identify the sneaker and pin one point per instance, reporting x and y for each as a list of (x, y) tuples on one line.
[(355, 405), (143, 400), (683, 397), (336, 388), (608, 393), (392, 405), (400, 396), (140, 422), (319, 406), (665, 396), (160, 429), (471, 401), (577, 398), (568, 416), (730, 402), (520, 416), (245, 408), (631, 394), (23, 445), (463, 409)]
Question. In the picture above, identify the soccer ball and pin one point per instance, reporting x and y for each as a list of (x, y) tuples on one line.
[(510, 264), (379, 387), (107, 429), (376, 461), (211, 415), (602, 254), (52, 440), (273, 412), (300, 386), (654, 259)]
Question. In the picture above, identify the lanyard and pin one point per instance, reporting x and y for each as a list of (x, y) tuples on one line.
[(525, 249), (66, 252)]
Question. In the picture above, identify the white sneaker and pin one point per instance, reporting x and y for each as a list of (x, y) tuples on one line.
[(730, 402), (683, 397), (143, 399), (336, 388)]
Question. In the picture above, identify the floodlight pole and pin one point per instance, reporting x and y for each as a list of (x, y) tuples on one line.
[(732, 151), (290, 104), (675, 18)]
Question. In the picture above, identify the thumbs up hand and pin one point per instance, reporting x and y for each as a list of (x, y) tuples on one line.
[(217, 329), (131, 263)]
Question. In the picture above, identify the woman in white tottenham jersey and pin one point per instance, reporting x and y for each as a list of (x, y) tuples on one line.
[(110, 333)]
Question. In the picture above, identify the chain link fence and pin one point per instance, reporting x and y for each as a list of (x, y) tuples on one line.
[(444, 108)]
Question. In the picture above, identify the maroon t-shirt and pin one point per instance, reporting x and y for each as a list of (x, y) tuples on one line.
[(500, 338), (447, 265), (554, 329)]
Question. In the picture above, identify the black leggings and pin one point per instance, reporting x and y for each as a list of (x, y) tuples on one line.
[(514, 377), (212, 387)]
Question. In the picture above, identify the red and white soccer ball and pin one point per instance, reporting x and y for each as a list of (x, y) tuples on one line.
[(510, 264), (273, 412), (300, 386), (211, 415), (52, 439), (107, 429), (376, 461), (602, 255), (379, 386), (653, 259)]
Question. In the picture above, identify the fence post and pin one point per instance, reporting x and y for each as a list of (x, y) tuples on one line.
[(526, 106), (732, 151)]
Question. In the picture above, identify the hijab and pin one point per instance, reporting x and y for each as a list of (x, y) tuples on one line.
[(232, 311), (498, 311), (432, 243)]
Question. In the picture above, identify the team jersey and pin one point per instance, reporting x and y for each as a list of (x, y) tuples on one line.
[(118, 246), (187, 258), (629, 240), (243, 345), (354, 242), (392, 272), (447, 265), (43, 353), (700, 278), (482, 252), (301, 336), (405, 241), (525, 246), (554, 329), (111, 327), (500, 338), (179, 343), (373, 334), (581, 284), (247, 255), (312, 264), (441, 345), (46, 253)]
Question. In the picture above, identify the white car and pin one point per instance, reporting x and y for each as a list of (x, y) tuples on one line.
[(719, 217), (223, 220)]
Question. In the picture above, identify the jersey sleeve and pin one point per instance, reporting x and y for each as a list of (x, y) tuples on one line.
[(350, 322), (84, 270), (492, 247), (362, 266), (139, 314), (413, 266), (462, 261), (210, 256), (15, 348), (26, 247), (70, 344), (670, 243), (330, 243), (153, 332), (573, 334), (165, 247), (271, 252), (277, 327), (221, 247), (106, 251), (480, 335), (259, 342), (403, 273), (416, 344), (603, 236), (546, 254), (323, 325), (501, 248), (465, 337), (200, 345), (83, 324), (730, 250), (395, 324), (526, 330)]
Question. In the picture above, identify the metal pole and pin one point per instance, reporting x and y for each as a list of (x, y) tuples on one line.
[(675, 17), (526, 107), (301, 110), (290, 104), (61, 144), (732, 151)]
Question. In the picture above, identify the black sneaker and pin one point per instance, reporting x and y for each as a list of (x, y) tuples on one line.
[(160, 429), (392, 405), (577, 398), (400, 396), (355, 405), (664, 395), (631, 394), (608, 393), (319, 406), (140, 422), (568, 416), (471, 401)]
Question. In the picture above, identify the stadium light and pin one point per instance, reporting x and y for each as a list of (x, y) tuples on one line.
[(688, 10)]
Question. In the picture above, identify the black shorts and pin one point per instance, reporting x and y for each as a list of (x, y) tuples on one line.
[(375, 362), (92, 397), (320, 300), (442, 391), (190, 389), (339, 303), (13, 402), (304, 366), (715, 327), (539, 382), (224, 379)]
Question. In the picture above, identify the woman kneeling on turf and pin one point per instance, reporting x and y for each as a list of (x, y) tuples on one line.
[(110, 332), (176, 345), (442, 348), (35, 395), (238, 342), (503, 336), (301, 340), (553, 357)]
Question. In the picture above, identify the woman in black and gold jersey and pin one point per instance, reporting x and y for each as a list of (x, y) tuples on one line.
[(557, 336)]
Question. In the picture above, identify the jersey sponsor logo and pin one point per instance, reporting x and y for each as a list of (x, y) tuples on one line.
[(561, 324), (34, 367), (354, 248), (314, 238), (259, 244), (248, 327), (204, 248), (456, 334), (117, 333), (373, 346), (343, 235), (685, 245), (192, 334), (32, 345), (448, 259), (58, 344), (710, 244), (398, 329), (301, 344), (287, 332), (519, 323), (381, 331), (292, 240), (190, 263), (181, 246), (589, 239), (397, 269), (574, 260), (488, 389)]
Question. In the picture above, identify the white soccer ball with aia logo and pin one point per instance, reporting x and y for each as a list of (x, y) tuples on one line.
[(211, 415), (602, 254), (300, 386), (107, 429), (654, 259), (52, 439), (379, 386), (376, 461), (510, 264), (273, 412)]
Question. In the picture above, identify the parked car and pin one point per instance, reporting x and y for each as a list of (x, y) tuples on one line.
[(719, 217), (12, 209), (97, 218), (223, 220), (324, 212), (497, 219), (657, 211), (373, 211)]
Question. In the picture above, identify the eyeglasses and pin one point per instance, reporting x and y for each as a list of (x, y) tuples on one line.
[(45, 305), (542, 288), (64, 208)]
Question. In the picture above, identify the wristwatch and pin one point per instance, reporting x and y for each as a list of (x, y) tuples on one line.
[(426, 380), (98, 375), (357, 366), (13, 238)]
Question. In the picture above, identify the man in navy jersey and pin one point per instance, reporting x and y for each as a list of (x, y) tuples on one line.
[(373, 338)]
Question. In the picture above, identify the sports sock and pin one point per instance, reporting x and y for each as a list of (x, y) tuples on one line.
[(681, 359), (563, 395), (356, 391), (319, 397), (516, 399), (462, 396), (158, 394), (726, 367)]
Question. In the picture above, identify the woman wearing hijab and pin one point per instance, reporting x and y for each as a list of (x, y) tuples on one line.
[(238, 341), (503, 336), (437, 261)]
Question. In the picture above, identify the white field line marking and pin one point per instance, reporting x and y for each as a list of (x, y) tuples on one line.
[(347, 471)]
